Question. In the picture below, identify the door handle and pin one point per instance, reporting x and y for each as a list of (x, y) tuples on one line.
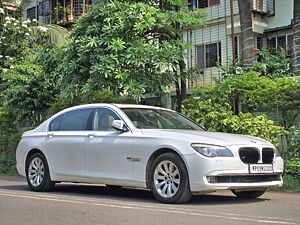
[(91, 136), (50, 135)]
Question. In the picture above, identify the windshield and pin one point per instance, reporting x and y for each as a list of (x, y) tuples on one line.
[(159, 119)]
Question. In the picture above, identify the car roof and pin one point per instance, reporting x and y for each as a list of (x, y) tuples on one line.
[(124, 106), (121, 106)]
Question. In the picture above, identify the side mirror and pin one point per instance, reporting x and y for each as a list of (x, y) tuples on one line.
[(119, 125)]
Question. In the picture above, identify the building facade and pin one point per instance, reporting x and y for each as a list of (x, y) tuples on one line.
[(271, 26), (61, 12)]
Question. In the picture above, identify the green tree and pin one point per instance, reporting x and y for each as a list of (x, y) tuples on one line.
[(27, 91), (132, 47), (26, 53)]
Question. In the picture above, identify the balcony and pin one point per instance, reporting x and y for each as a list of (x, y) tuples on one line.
[(63, 12)]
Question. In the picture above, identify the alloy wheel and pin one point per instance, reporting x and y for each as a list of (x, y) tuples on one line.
[(166, 179), (36, 172)]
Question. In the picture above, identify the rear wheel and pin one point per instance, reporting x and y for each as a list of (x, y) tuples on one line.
[(249, 194), (169, 179), (37, 173)]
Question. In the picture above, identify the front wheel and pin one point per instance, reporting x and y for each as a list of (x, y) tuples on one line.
[(37, 173), (169, 179), (249, 194)]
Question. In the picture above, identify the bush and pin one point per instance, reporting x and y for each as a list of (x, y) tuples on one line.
[(219, 117), (8, 163), (292, 156), (294, 146), (9, 143), (290, 183)]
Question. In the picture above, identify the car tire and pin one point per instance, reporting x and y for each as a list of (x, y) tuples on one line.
[(37, 173), (249, 194), (169, 179)]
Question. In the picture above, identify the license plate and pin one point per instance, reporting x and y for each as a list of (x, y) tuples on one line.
[(261, 168)]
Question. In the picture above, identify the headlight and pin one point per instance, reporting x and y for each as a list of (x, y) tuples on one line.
[(212, 150)]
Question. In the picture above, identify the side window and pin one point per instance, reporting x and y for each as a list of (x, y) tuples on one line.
[(54, 124), (75, 120), (103, 119), (208, 55)]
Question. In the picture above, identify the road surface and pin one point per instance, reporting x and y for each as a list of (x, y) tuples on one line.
[(96, 204)]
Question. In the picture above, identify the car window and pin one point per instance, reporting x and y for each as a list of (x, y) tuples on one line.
[(75, 120), (159, 119), (54, 124), (103, 119)]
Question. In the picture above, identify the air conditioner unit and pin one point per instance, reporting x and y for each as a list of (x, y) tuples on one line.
[(263, 6)]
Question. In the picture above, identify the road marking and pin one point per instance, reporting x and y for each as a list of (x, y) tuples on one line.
[(137, 204), (147, 208), (197, 210)]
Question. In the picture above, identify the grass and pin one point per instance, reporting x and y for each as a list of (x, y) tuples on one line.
[(290, 184), (8, 163)]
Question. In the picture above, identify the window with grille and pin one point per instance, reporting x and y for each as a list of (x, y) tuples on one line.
[(78, 7), (289, 47), (237, 47), (31, 13), (271, 43), (193, 4), (208, 55), (281, 42), (259, 43)]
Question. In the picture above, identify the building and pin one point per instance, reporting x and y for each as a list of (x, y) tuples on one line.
[(62, 12), (270, 24)]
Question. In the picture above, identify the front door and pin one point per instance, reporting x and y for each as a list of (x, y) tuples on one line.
[(108, 151)]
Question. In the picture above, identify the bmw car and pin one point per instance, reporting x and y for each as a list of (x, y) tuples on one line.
[(145, 147)]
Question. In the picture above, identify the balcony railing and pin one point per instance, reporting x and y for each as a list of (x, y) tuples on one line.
[(63, 11)]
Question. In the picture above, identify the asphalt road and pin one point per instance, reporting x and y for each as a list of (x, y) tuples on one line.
[(95, 204)]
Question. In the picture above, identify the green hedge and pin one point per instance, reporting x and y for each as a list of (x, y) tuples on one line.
[(8, 163), (292, 168)]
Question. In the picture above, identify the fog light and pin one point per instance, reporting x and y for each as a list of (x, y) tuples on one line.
[(211, 179)]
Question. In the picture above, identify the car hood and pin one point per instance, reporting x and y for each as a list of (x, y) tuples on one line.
[(206, 137)]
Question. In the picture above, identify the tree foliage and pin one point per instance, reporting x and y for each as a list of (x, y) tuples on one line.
[(213, 106), (269, 64), (132, 47), (27, 90)]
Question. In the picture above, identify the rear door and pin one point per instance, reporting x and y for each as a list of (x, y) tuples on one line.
[(65, 143)]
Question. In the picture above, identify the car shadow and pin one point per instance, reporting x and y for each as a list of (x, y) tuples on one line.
[(135, 195)]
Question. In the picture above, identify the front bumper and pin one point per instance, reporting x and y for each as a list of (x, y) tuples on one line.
[(223, 173)]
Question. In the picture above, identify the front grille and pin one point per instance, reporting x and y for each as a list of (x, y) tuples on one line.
[(243, 178), (249, 155), (267, 155)]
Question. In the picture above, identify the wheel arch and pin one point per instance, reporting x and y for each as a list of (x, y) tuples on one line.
[(29, 154), (154, 155)]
